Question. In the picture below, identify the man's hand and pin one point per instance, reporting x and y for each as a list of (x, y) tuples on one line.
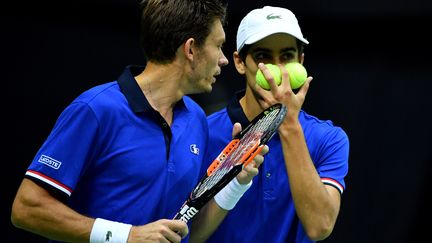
[(251, 170), (283, 93), (163, 230)]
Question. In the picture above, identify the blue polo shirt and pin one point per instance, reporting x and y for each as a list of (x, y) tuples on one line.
[(111, 155), (266, 211)]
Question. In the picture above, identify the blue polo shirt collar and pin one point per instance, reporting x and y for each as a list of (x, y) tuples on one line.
[(133, 93)]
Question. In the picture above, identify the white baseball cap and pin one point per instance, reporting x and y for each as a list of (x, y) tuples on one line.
[(262, 22)]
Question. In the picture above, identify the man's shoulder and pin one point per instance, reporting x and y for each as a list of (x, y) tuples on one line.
[(102, 99), (193, 106), (218, 116), (99, 92), (320, 127)]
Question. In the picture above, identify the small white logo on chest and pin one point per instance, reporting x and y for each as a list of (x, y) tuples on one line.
[(194, 149)]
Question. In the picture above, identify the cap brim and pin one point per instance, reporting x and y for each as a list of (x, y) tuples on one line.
[(263, 34)]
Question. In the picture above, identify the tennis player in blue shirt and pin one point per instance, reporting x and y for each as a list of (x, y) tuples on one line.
[(296, 196), (124, 156)]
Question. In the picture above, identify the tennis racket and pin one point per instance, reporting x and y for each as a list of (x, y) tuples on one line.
[(234, 157)]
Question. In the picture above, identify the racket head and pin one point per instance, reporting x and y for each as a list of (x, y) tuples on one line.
[(230, 162), (278, 111)]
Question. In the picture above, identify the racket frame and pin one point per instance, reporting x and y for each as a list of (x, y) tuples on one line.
[(193, 205)]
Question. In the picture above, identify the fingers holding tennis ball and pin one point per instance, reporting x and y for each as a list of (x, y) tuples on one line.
[(275, 72), (296, 71)]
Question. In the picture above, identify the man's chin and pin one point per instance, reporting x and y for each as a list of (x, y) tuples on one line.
[(206, 89), (209, 89)]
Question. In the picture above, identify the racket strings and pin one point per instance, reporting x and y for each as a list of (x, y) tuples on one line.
[(253, 136)]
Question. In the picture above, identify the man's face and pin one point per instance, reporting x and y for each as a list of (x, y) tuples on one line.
[(210, 59), (275, 49)]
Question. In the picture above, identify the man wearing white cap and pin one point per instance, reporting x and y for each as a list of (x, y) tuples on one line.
[(296, 196)]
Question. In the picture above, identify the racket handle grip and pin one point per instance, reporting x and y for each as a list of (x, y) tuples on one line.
[(186, 213), (177, 216)]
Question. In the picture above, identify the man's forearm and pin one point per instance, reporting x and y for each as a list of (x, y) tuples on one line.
[(206, 222), (48, 217), (316, 207)]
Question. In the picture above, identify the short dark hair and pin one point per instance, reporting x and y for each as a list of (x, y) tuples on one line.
[(244, 51), (166, 24)]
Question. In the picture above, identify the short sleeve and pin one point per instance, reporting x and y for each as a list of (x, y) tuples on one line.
[(68, 150)]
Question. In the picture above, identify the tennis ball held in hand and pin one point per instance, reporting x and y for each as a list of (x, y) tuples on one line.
[(297, 74), (296, 71)]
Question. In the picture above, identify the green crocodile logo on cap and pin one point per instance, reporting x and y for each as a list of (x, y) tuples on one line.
[(271, 16)]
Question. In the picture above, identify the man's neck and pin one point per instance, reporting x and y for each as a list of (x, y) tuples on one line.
[(161, 87), (250, 105)]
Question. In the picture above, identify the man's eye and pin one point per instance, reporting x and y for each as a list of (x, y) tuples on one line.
[(287, 57), (262, 56)]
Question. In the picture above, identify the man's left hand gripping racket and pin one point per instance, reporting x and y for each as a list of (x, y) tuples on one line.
[(234, 157)]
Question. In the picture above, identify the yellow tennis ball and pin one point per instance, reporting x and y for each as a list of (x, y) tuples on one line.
[(274, 70), (297, 74)]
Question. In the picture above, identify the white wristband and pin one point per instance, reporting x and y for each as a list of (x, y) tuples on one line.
[(228, 197), (109, 231)]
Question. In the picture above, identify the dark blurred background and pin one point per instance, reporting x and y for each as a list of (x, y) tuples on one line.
[(370, 61)]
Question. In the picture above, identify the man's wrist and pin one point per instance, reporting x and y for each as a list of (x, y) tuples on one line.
[(109, 231), (228, 197)]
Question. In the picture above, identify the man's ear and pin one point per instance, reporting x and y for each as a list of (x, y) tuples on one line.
[(189, 48), (301, 58), (239, 64)]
